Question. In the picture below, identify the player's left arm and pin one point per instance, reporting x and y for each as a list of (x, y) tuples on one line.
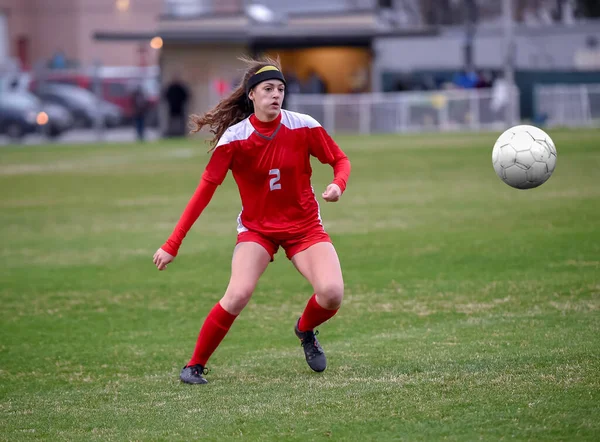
[(327, 151)]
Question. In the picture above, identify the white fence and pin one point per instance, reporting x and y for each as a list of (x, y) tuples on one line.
[(451, 110), (575, 105)]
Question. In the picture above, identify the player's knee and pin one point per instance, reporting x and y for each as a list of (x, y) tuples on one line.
[(236, 298), (331, 294)]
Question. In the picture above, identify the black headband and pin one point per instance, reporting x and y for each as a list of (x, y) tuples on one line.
[(264, 74)]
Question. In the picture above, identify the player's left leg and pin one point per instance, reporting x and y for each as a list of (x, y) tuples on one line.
[(320, 265)]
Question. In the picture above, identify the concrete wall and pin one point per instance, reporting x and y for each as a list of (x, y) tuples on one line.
[(536, 48), (15, 20), (140, 18), (55, 26), (69, 25), (4, 45), (45, 26)]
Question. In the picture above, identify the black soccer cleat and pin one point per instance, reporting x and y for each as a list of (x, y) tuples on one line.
[(193, 374), (315, 357)]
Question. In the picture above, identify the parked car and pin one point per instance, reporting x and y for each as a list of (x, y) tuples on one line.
[(116, 85), (17, 118), (15, 82), (24, 113), (83, 105), (60, 119)]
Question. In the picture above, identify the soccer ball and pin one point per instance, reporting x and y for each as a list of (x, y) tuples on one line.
[(524, 157)]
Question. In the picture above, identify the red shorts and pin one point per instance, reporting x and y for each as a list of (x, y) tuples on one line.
[(290, 245)]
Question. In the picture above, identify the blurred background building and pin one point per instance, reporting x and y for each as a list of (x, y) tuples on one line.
[(60, 32), (365, 55)]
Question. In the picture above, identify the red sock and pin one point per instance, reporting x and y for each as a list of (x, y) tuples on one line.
[(314, 315), (215, 327)]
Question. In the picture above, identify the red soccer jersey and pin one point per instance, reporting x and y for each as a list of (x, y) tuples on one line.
[(270, 163)]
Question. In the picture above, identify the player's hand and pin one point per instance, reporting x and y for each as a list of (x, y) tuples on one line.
[(332, 193), (162, 258)]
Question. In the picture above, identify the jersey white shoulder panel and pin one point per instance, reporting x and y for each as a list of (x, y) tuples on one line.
[(238, 132), (294, 120)]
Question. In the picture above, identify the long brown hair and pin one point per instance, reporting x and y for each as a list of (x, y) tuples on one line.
[(234, 108)]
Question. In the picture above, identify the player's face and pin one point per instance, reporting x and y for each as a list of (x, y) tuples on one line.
[(268, 97)]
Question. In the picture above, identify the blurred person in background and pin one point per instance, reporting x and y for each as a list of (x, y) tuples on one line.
[(500, 95), (314, 83), (484, 80), (177, 96), (466, 79), (268, 151), (140, 105), (59, 60)]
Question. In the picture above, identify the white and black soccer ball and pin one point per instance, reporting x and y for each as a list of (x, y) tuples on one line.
[(524, 157)]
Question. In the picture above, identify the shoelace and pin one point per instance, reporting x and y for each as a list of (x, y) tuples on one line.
[(311, 341)]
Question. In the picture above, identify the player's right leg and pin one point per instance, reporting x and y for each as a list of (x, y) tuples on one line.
[(249, 262)]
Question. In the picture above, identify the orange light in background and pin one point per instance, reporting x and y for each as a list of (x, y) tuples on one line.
[(122, 5), (42, 118), (156, 43)]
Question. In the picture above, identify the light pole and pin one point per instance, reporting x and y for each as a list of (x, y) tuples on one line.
[(509, 61)]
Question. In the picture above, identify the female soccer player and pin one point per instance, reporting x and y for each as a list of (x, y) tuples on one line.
[(268, 151)]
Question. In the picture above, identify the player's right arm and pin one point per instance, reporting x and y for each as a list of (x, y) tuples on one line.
[(213, 176)]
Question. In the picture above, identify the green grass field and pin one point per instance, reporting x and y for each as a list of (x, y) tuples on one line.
[(472, 309)]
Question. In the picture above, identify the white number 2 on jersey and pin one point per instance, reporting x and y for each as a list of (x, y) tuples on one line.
[(274, 182)]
